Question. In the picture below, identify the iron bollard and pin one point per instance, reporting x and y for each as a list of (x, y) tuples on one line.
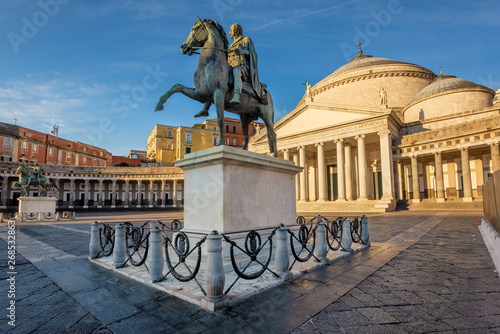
[(155, 258), (94, 240), (365, 236), (321, 246), (282, 258), (215, 277), (346, 235), (119, 251)]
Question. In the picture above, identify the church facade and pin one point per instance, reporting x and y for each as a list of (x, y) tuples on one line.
[(377, 130)]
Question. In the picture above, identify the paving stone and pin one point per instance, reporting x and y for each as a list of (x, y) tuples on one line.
[(425, 327), (350, 318), (467, 322), (377, 316), (413, 285)]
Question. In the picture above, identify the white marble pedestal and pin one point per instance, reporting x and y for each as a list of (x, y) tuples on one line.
[(231, 190), (37, 205)]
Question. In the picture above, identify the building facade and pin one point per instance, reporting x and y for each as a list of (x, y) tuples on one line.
[(101, 187), (169, 143), (377, 130), (19, 144)]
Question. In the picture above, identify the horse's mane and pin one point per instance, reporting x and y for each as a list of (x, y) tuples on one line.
[(221, 31)]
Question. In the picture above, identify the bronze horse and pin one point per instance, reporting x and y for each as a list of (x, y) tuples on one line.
[(25, 180), (213, 81)]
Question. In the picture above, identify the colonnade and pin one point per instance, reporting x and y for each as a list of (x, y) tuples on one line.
[(107, 192), (352, 183), (437, 157)]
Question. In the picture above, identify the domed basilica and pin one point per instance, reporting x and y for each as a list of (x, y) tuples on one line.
[(377, 130)]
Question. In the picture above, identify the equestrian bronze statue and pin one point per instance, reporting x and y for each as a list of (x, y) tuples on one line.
[(218, 73), (32, 176)]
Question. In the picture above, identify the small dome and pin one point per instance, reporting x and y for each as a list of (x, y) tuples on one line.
[(444, 83), (447, 95)]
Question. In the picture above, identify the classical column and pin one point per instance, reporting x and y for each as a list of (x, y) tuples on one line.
[(139, 191), (297, 178), (127, 194), (174, 193), (5, 182), (72, 193), (286, 154), (375, 184), (415, 179), (302, 175), (386, 163), (467, 185), (348, 171), (439, 177), (399, 171), (100, 202), (60, 189), (113, 196), (321, 172), (86, 196), (340, 170), (150, 199), (162, 196), (362, 167), (495, 157)]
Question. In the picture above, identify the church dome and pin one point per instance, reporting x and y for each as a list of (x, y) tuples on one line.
[(446, 95), (362, 61), (364, 79)]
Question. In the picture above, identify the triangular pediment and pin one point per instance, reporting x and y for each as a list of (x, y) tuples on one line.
[(313, 116)]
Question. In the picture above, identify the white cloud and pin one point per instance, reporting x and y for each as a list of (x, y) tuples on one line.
[(36, 104)]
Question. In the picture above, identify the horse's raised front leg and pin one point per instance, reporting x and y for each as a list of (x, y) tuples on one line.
[(192, 93)]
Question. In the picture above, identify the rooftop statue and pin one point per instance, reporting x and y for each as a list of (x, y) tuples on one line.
[(32, 175), (227, 78)]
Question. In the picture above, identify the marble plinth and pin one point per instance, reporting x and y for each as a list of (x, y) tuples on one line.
[(232, 190), (29, 205)]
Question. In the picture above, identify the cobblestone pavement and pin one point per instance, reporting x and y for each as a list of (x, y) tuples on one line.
[(425, 272), (445, 282)]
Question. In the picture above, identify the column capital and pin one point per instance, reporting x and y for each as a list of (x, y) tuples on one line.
[(338, 140), (384, 132), (464, 148), (359, 137), (302, 147), (319, 144), (285, 150)]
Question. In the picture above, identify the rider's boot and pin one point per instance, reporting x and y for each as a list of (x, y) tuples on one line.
[(236, 96)]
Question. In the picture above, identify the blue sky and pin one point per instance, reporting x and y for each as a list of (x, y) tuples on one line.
[(97, 68)]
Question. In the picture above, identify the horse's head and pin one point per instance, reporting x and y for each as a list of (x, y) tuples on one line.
[(21, 170), (197, 37), (200, 33)]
